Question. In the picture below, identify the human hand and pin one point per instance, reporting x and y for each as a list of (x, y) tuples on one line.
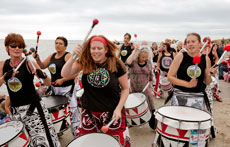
[(192, 83)]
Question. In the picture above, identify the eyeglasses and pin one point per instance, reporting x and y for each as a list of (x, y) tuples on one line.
[(15, 46)]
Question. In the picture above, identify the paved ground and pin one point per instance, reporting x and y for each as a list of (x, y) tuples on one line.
[(143, 136)]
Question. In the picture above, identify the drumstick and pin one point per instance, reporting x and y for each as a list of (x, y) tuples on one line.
[(19, 65), (105, 129), (196, 61), (38, 34), (135, 35), (95, 21), (226, 49), (207, 41), (146, 86)]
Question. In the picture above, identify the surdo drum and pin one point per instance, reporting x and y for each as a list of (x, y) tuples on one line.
[(165, 84), (14, 134), (59, 111), (137, 109), (95, 140), (182, 126)]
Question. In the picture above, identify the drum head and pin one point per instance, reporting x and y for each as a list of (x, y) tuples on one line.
[(95, 140), (54, 101), (9, 131), (184, 113), (134, 100)]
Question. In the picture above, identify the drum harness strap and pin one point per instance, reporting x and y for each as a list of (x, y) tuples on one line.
[(205, 100), (42, 117)]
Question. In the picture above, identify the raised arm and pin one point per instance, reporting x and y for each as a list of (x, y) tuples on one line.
[(132, 56), (71, 67)]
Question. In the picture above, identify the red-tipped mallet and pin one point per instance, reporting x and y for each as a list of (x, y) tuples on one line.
[(36, 49), (95, 22), (38, 84), (135, 35), (207, 43), (105, 129), (226, 49), (196, 61)]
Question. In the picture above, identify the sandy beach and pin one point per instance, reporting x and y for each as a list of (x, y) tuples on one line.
[(143, 136)]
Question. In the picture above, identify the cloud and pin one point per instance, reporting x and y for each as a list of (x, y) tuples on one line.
[(152, 20)]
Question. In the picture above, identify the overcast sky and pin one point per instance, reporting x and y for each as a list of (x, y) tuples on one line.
[(151, 20)]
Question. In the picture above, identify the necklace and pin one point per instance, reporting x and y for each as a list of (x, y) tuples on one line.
[(15, 64)]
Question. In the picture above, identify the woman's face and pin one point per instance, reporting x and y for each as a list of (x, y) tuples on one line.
[(215, 47), (15, 49), (98, 51), (154, 45), (143, 57), (126, 38), (60, 45), (193, 45)]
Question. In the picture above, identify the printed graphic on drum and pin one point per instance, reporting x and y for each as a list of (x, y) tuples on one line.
[(165, 84), (137, 109), (95, 140), (59, 111), (13, 134), (176, 124)]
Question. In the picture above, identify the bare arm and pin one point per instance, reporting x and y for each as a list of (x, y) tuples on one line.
[(123, 81), (158, 60), (71, 66), (47, 80), (43, 64), (7, 105), (1, 73), (132, 56), (208, 69)]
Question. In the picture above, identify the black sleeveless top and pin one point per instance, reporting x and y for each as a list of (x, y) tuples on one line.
[(211, 57), (21, 87), (186, 72), (126, 51), (166, 62), (55, 68)]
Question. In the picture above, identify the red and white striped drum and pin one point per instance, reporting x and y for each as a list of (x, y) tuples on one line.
[(14, 134), (176, 124), (165, 84), (137, 109), (59, 111), (96, 140)]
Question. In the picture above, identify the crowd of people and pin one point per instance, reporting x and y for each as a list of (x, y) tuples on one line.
[(107, 78)]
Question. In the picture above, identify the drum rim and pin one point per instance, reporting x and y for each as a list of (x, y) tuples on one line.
[(183, 119), (139, 104), (94, 133), (21, 130)]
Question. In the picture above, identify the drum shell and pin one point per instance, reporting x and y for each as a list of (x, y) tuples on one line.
[(60, 112), (165, 84), (171, 129), (140, 113)]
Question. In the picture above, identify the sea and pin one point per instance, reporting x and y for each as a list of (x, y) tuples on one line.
[(45, 48)]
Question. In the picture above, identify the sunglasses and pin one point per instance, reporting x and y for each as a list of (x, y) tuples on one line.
[(14, 46)]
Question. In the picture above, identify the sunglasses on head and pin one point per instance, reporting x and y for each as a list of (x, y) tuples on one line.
[(14, 46)]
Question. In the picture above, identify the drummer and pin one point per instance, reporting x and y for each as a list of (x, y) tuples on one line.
[(60, 85), (141, 74), (25, 102), (105, 86), (190, 91), (164, 61)]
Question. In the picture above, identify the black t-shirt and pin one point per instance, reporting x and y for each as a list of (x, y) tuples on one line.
[(101, 89), (55, 68), (126, 51), (186, 72), (21, 87)]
